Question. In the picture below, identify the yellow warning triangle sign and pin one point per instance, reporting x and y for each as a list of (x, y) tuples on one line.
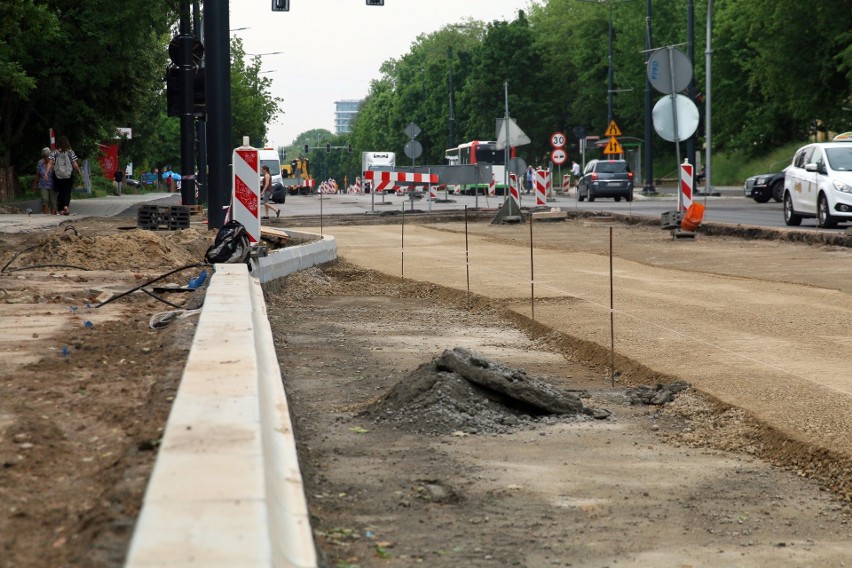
[(613, 146), (612, 129)]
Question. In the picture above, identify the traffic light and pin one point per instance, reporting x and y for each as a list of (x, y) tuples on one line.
[(173, 81), (349, 148), (375, 2), (280, 5), (307, 149), (173, 91), (328, 147)]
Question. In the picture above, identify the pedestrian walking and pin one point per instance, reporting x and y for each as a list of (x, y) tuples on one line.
[(529, 179), (63, 162), (117, 177), (575, 172), (45, 184), (266, 193)]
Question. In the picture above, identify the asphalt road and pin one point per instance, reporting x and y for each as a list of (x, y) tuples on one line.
[(729, 207)]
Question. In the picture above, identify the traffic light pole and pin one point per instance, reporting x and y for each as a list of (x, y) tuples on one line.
[(690, 35), (218, 66), (187, 116), (648, 186), (201, 123)]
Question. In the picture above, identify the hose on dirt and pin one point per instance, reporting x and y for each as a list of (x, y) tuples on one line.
[(149, 282)]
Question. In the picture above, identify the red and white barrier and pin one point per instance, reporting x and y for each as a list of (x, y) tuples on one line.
[(433, 192), (52, 139), (492, 187), (686, 171), (355, 187), (513, 189), (542, 186), (383, 181), (245, 194), (328, 186)]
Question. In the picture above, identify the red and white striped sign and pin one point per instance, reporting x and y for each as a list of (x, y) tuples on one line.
[(542, 186), (355, 187), (246, 191), (686, 170), (492, 186), (387, 180), (513, 189), (52, 139)]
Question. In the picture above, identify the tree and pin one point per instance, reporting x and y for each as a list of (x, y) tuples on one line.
[(509, 54), (252, 106), (80, 85)]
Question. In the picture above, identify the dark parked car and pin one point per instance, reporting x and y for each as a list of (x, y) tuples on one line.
[(606, 178), (764, 187), (132, 182)]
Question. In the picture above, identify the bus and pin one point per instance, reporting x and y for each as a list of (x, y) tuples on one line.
[(477, 152)]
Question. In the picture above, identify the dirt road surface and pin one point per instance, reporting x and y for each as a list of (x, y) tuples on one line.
[(759, 328), (749, 467)]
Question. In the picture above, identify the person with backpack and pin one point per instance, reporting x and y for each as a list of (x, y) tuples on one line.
[(63, 162), (45, 184)]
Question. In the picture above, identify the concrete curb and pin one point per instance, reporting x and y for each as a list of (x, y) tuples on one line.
[(226, 489), (292, 259)]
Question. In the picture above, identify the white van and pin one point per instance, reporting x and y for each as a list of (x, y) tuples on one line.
[(269, 157)]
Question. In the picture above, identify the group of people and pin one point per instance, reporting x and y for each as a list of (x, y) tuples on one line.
[(529, 176), (54, 178)]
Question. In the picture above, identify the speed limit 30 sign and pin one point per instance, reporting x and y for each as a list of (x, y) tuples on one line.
[(557, 139), (559, 156)]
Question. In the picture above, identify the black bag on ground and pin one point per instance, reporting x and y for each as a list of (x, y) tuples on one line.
[(231, 245), (279, 193)]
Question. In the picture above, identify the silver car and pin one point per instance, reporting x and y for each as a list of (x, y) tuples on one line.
[(606, 178)]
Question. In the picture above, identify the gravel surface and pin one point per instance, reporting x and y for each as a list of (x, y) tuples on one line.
[(748, 466), (670, 478)]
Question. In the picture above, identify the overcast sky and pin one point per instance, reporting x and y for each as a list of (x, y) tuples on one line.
[(332, 49)]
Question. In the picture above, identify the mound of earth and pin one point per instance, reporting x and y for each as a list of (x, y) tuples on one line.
[(460, 391), (123, 250)]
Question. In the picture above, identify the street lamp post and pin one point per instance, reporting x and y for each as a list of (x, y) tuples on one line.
[(609, 71), (707, 122), (649, 127), (609, 90), (452, 102)]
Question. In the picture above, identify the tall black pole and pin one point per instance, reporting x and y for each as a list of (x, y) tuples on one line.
[(609, 73), (452, 102), (219, 150), (187, 116), (649, 128), (200, 124), (690, 40)]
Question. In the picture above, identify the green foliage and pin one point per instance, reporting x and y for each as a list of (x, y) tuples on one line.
[(82, 68), (252, 106), (730, 168), (781, 70), (86, 68)]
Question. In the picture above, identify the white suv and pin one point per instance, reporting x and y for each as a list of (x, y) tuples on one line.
[(818, 183)]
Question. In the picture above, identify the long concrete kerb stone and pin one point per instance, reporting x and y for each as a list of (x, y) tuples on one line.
[(227, 489), (314, 250)]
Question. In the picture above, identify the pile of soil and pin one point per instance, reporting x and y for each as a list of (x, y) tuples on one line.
[(460, 391), (134, 249)]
